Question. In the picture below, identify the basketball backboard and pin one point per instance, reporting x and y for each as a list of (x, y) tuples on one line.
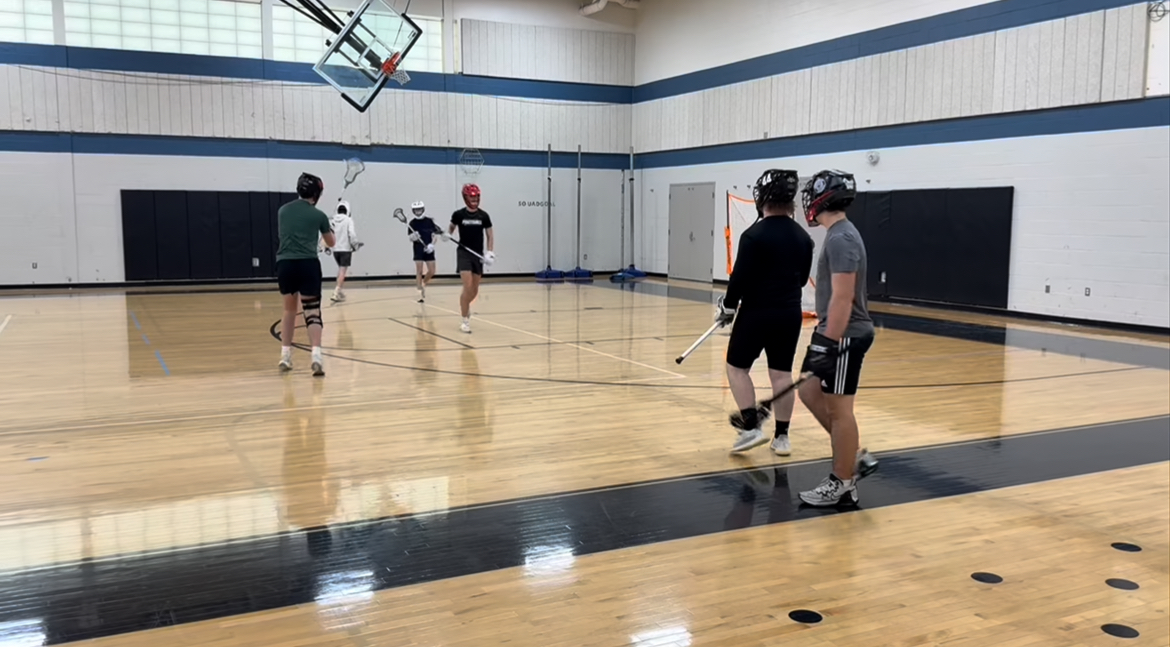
[(368, 51)]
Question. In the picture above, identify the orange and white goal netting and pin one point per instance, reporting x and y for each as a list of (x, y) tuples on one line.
[(741, 214)]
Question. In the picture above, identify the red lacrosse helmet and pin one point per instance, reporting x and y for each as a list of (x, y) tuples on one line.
[(470, 191)]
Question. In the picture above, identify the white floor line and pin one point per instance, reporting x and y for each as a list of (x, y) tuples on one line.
[(558, 341), (5, 324)]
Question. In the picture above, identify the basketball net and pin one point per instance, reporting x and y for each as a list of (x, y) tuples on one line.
[(741, 214)]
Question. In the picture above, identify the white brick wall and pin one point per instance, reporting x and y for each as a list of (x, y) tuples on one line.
[(682, 36), (63, 211), (1092, 211)]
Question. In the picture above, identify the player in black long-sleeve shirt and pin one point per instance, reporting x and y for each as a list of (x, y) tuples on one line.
[(764, 300)]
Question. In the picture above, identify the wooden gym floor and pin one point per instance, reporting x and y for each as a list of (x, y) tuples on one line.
[(554, 478)]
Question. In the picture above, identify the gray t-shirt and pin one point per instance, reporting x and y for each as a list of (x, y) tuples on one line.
[(844, 251)]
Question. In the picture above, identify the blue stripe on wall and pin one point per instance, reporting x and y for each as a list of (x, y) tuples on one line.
[(982, 19), (105, 144), (1143, 113), (117, 60), (993, 16)]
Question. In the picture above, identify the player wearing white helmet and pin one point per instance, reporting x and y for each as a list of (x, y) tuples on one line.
[(347, 244), (422, 234)]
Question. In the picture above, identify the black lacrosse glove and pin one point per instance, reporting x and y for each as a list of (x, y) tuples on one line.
[(822, 356)]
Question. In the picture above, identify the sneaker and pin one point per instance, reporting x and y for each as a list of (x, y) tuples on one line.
[(285, 362), (831, 491), (781, 445), (422, 295), (338, 295), (465, 326), (318, 364), (748, 439), (866, 465)]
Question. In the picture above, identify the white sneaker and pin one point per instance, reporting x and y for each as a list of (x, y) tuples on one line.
[(748, 439), (422, 295), (318, 364), (781, 446), (831, 491), (465, 326), (285, 362)]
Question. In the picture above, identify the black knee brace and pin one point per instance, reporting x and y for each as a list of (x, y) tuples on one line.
[(312, 306)]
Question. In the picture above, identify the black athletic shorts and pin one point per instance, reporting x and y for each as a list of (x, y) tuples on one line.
[(343, 258), (465, 261), (421, 254), (775, 332), (847, 374), (299, 275)]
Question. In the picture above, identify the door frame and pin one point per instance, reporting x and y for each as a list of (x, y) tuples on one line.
[(710, 226)]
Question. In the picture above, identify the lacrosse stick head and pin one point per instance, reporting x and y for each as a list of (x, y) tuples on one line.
[(399, 214), (353, 168)]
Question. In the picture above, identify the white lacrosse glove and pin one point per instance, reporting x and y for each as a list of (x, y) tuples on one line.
[(414, 237), (430, 248), (358, 245), (723, 314), (445, 236), (489, 258)]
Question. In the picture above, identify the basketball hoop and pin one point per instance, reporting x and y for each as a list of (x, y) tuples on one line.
[(390, 69)]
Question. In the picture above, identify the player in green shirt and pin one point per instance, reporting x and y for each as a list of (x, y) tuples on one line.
[(298, 270)]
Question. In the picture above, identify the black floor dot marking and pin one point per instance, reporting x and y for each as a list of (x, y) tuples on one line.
[(805, 616), (1122, 584), (1129, 548), (1121, 631), (986, 578)]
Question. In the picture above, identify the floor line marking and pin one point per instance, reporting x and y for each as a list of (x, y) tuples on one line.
[(5, 324), (577, 346), (257, 412)]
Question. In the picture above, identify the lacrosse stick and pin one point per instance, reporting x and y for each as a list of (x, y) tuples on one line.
[(353, 168), (764, 407), (698, 342), (401, 216)]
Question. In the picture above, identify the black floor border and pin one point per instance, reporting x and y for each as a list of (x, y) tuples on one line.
[(70, 602)]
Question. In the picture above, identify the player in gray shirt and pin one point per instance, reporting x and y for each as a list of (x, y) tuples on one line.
[(843, 334)]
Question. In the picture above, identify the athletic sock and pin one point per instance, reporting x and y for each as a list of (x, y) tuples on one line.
[(781, 428)]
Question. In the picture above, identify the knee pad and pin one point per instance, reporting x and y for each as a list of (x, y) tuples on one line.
[(312, 306)]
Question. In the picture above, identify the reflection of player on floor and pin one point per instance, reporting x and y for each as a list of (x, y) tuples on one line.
[(346, 236), (298, 270), (473, 223), (422, 235), (843, 334), (771, 268)]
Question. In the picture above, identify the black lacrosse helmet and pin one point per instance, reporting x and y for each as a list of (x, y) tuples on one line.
[(828, 190), (775, 185), (309, 186)]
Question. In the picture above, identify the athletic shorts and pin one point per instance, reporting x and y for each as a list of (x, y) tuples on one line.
[(424, 257), (465, 261), (299, 276), (847, 373), (343, 258), (775, 332)]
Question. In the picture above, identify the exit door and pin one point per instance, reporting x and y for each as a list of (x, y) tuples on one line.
[(692, 232)]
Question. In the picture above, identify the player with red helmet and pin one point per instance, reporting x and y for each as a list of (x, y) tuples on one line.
[(474, 225)]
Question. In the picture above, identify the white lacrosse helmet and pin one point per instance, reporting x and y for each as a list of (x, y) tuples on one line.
[(343, 207), (418, 208)]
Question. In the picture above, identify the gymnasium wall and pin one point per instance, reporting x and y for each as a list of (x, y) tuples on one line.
[(78, 125), (1092, 211), (72, 230), (1063, 101)]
